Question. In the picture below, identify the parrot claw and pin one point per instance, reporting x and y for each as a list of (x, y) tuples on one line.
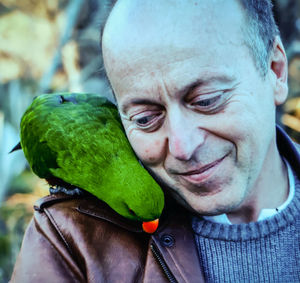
[(70, 192)]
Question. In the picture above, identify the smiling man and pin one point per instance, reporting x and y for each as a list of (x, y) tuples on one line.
[(196, 109), (197, 84)]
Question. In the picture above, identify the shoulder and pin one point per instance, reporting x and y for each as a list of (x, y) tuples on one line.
[(81, 214), (93, 235), (88, 225), (79, 238)]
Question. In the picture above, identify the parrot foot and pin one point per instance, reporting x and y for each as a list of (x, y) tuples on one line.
[(71, 192)]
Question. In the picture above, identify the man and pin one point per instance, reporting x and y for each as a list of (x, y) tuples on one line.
[(197, 84)]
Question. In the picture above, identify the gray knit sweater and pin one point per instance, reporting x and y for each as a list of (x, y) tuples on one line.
[(264, 251)]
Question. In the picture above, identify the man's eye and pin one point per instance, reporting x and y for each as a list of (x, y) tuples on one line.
[(147, 120), (209, 104), (144, 120), (206, 102)]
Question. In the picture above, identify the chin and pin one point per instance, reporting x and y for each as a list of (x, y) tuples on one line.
[(221, 195)]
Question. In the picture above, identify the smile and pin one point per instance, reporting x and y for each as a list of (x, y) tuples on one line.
[(203, 173)]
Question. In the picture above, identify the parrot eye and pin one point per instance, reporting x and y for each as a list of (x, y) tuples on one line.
[(70, 99), (62, 99)]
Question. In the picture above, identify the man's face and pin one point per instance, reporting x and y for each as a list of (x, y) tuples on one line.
[(195, 108)]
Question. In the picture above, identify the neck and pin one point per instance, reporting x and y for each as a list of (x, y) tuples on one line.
[(269, 191)]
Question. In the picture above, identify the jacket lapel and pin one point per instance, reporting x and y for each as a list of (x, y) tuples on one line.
[(176, 245), (174, 242)]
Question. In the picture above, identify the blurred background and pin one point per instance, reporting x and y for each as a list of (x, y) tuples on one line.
[(53, 45)]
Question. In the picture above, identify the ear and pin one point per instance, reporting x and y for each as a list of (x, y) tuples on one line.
[(279, 71)]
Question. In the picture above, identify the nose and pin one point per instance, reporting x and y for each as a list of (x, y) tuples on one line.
[(184, 137)]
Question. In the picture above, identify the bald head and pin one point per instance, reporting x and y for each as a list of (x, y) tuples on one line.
[(137, 30), (158, 26), (153, 23)]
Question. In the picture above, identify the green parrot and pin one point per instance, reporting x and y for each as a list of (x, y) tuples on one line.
[(76, 140)]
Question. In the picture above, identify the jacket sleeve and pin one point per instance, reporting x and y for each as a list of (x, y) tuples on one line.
[(45, 255)]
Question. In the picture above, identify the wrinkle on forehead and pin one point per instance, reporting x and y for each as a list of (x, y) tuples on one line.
[(136, 24), (141, 60)]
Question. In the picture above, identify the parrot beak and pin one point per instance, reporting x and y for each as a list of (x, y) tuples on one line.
[(17, 147), (151, 226)]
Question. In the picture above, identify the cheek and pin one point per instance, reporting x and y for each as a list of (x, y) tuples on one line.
[(151, 150)]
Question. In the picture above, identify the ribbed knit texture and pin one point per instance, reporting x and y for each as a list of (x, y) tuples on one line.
[(264, 251)]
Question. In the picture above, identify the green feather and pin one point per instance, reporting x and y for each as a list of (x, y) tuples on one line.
[(79, 138)]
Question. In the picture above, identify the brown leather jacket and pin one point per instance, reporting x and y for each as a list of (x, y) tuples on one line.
[(83, 240)]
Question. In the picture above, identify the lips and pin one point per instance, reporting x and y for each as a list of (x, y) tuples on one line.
[(201, 174)]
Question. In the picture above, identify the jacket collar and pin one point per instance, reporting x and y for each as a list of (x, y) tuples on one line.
[(98, 209), (288, 149)]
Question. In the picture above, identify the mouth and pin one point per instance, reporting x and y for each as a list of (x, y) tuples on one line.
[(201, 174)]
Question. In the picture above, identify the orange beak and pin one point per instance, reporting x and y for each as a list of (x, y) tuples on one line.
[(151, 226)]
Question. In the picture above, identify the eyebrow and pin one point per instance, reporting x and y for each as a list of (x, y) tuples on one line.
[(203, 81), (183, 91), (137, 101)]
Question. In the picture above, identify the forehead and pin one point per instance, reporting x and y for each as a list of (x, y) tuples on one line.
[(145, 36), (135, 24)]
